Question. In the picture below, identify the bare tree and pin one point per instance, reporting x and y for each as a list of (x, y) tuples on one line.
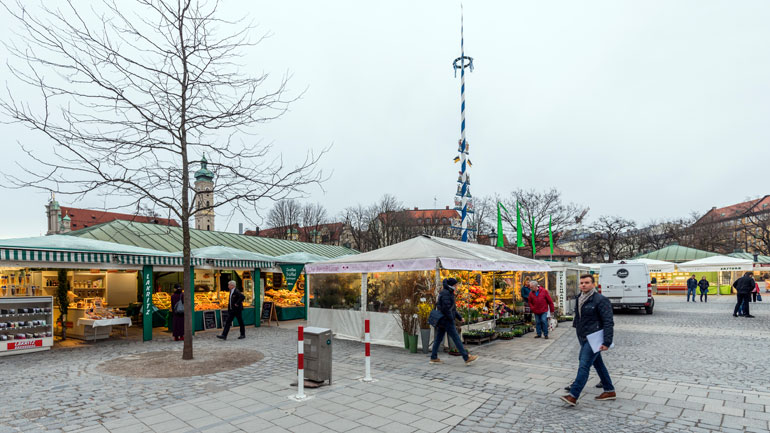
[(660, 234), (611, 237), (711, 233), (313, 217), (483, 220), (285, 214), (758, 231), (390, 224), (359, 218), (129, 101), (536, 209)]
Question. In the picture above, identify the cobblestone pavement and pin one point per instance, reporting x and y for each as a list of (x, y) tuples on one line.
[(689, 367)]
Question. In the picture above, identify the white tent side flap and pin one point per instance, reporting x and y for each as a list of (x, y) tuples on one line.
[(716, 264)]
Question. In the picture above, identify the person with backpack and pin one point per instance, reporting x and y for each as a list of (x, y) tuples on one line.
[(704, 289), (177, 313), (445, 305)]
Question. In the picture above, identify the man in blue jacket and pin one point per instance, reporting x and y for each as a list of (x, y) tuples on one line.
[(446, 325), (593, 314)]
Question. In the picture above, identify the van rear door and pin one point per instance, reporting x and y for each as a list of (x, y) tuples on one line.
[(625, 283)]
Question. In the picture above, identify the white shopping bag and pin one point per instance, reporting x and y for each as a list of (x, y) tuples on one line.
[(552, 324)]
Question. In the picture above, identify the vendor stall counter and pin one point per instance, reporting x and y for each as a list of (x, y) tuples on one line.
[(26, 324)]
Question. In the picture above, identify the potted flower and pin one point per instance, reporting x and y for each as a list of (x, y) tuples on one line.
[(423, 313), (508, 335)]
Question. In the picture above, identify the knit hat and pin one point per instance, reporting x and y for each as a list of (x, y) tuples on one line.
[(449, 283)]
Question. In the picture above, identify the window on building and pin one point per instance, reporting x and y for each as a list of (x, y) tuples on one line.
[(427, 220), (444, 220), (208, 227), (419, 220)]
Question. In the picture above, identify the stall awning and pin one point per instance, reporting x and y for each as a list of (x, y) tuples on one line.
[(423, 253), (68, 249), (301, 258), (231, 258), (716, 263)]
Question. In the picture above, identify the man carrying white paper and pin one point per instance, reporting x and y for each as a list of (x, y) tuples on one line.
[(593, 317)]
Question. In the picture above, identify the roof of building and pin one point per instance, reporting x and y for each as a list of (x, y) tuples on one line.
[(676, 254), (334, 229), (433, 213), (760, 258), (736, 210), (82, 218), (169, 238), (204, 173), (557, 252)]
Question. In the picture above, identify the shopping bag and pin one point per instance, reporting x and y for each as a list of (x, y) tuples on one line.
[(552, 324), (759, 297)]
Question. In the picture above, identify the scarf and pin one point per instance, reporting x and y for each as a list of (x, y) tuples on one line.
[(583, 298)]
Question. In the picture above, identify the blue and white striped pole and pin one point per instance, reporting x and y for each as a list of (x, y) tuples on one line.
[(463, 204)]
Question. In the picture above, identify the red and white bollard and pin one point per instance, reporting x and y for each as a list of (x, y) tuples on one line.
[(367, 345), (300, 365)]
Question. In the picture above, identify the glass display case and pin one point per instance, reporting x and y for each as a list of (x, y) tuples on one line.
[(26, 324)]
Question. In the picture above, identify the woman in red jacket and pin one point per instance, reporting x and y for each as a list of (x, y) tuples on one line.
[(540, 303)]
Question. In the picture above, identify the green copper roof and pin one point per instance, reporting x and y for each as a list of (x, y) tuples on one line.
[(165, 238), (749, 256), (204, 173), (66, 218), (676, 254)]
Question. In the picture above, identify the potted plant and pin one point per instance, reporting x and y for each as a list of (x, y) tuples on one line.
[(508, 335), (518, 332), (423, 313)]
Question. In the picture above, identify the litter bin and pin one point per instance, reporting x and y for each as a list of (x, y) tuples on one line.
[(318, 354)]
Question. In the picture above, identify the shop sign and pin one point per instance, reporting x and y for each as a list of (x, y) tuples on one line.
[(209, 319), (147, 293), (25, 344), (291, 274)]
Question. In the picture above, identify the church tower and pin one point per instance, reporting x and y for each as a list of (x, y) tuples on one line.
[(204, 187), (53, 212)]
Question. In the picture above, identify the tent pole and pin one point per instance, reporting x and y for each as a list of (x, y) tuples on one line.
[(364, 301)]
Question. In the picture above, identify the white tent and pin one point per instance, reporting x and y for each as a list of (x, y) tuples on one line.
[(654, 266), (301, 257), (423, 253), (717, 264)]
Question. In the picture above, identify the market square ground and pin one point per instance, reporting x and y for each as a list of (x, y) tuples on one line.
[(689, 367)]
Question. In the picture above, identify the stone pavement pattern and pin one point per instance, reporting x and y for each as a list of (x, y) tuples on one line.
[(689, 367)]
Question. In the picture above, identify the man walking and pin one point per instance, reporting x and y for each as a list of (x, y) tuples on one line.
[(234, 311), (704, 289), (692, 283), (743, 286), (540, 303), (446, 325), (593, 314)]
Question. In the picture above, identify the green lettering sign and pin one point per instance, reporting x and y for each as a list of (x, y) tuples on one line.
[(291, 274)]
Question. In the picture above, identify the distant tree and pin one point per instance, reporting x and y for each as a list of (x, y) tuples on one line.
[(611, 236), (710, 233), (313, 216), (359, 219), (285, 214)]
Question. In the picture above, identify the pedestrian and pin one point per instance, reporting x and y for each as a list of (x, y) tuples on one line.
[(755, 292), (234, 311), (540, 303), (593, 314), (692, 283), (704, 289), (525, 292), (743, 287), (177, 313), (446, 325)]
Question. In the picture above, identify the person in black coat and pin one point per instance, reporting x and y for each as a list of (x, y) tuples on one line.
[(743, 286), (704, 289), (177, 319), (234, 311), (446, 325), (692, 283)]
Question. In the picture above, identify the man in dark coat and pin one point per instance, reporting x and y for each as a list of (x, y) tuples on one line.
[(692, 284), (743, 286), (446, 325), (594, 314), (234, 311)]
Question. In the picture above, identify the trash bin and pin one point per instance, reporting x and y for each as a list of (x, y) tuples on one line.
[(318, 354)]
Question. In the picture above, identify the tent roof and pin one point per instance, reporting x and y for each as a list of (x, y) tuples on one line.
[(717, 263), (300, 257), (167, 238), (233, 257), (676, 254), (69, 243), (423, 252)]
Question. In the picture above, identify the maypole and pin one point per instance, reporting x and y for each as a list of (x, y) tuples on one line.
[(463, 199)]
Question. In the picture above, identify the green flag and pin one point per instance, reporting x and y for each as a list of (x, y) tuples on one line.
[(550, 234), (500, 243), (533, 237), (519, 236)]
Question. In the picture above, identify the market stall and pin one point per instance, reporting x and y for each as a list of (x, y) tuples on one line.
[(413, 269), (727, 270), (288, 290), (102, 278), (563, 284)]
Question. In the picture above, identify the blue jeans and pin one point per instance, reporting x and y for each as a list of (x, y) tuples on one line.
[(452, 332), (541, 323), (587, 359), (691, 291)]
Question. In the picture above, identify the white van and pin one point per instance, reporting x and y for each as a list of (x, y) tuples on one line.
[(627, 285)]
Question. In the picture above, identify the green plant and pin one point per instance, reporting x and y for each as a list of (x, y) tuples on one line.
[(507, 335), (61, 296), (517, 332)]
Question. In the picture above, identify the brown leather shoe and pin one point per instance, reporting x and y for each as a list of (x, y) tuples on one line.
[(570, 400), (606, 396)]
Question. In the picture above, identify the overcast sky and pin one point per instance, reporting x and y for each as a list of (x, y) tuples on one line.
[(641, 109)]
